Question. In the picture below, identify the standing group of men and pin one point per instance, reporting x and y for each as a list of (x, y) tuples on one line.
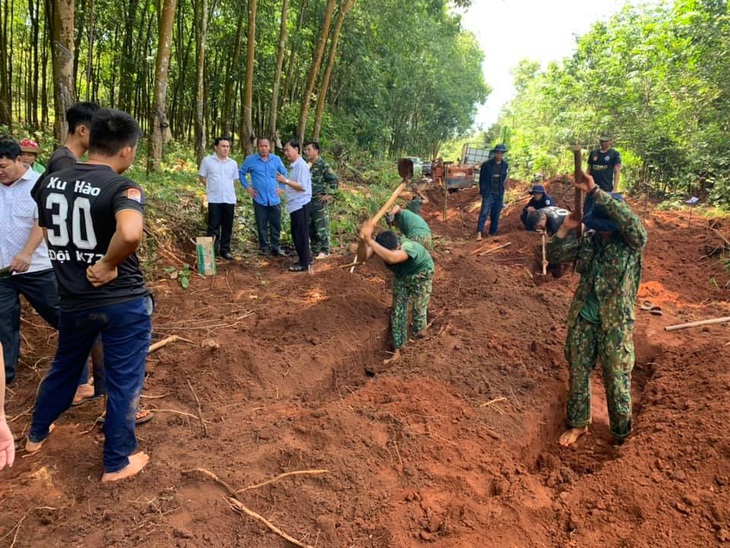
[(69, 248), (309, 189)]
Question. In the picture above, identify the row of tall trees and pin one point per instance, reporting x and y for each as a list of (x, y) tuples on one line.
[(656, 78), (383, 76)]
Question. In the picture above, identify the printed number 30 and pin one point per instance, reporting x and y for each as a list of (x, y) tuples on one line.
[(81, 208)]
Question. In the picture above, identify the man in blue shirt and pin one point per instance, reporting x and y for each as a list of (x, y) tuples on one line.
[(492, 177), (266, 193), (298, 203)]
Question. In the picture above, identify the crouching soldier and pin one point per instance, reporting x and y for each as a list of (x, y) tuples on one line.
[(601, 316), (413, 268), (412, 226)]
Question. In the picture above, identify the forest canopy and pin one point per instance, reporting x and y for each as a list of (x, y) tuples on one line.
[(655, 78), (381, 77)]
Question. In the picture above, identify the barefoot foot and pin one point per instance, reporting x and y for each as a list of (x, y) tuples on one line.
[(35, 446), (387, 364), (571, 436), (390, 362), (84, 392), (136, 463)]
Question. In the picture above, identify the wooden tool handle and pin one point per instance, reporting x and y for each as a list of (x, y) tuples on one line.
[(389, 203), (578, 174), (697, 324)]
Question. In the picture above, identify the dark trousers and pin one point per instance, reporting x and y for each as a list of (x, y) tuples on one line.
[(41, 291), (300, 234), (492, 207), (126, 330), (268, 220), (220, 226)]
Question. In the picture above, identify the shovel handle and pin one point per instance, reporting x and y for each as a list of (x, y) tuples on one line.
[(578, 174), (390, 202)]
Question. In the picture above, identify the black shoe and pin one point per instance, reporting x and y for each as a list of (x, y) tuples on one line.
[(278, 252), (227, 255), (298, 268), (265, 252)]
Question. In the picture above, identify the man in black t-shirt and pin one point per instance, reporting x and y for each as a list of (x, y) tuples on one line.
[(604, 165), (79, 117), (93, 219), (76, 144)]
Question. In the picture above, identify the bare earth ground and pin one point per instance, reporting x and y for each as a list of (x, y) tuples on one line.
[(454, 447)]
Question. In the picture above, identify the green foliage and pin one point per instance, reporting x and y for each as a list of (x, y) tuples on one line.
[(182, 276), (406, 75), (656, 78)]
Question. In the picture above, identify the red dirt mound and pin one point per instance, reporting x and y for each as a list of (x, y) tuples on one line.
[(454, 447)]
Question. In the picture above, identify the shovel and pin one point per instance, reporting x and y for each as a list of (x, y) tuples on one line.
[(405, 170)]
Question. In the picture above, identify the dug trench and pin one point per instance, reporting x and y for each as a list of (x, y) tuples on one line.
[(456, 446)]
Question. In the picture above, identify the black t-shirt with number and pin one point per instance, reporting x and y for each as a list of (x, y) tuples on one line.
[(77, 206), (62, 158), (602, 164)]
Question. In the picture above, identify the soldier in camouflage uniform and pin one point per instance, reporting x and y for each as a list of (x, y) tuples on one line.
[(413, 269), (411, 225), (601, 316), (324, 187)]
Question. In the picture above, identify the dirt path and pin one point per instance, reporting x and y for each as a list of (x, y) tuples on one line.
[(455, 447)]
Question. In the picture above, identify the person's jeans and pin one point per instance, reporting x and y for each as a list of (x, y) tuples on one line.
[(126, 332), (300, 234), (492, 207), (220, 226), (268, 219), (41, 291)]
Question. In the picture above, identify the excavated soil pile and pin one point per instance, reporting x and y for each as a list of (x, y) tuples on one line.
[(454, 447)]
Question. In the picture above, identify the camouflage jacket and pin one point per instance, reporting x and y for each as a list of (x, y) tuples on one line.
[(611, 267), (324, 180)]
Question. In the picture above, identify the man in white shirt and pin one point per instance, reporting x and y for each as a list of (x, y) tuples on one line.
[(298, 202), (219, 173), (24, 265)]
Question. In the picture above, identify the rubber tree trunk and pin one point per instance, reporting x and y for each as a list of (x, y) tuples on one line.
[(6, 117), (314, 69), (230, 88), (64, 91), (158, 120), (273, 134), (201, 30), (248, 134), (322, 95)]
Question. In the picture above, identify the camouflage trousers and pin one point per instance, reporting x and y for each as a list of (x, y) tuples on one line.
[(585, 345), (416, 288), (319, 226)]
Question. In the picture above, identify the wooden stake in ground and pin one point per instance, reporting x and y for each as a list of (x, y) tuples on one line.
[(697, 324), (544, 255)]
